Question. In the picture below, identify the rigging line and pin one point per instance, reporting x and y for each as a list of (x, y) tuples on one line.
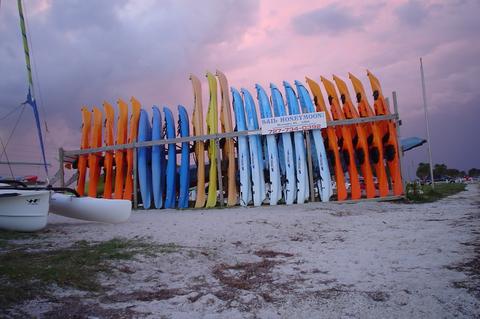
[(34, 67), (6, 156), (11, 133), (13, 110)]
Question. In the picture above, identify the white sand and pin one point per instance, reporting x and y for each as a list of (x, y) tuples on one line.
[(364, 260)]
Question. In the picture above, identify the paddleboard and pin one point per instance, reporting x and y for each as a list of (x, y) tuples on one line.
[(255, 146), (212, 128), (128, 192), (158, 159), (242, 149), (374, 136), (324, 184), (229, 147), (109, 140), (344, 139), (171, 168), (120, 155), (285, 150), (359, 137), (197, 124), (84, 144), (389, 138), (95, 158), (303, 191), (144, 160), (183, 128), (331, 138), (272, 148)]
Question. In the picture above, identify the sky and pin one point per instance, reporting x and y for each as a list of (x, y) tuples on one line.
[(86, 52)]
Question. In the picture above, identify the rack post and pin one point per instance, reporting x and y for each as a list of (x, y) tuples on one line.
[(399, 144), (310, 166), (135, 164), (219, 172), (61, 169)]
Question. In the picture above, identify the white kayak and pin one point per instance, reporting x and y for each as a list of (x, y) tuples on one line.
[(23, 210), (92, 209)]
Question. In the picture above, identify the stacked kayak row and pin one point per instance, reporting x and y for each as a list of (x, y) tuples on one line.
[(349, 160), (156, 166)]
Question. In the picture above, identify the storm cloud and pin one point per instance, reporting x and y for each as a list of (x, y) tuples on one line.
[(86, 52)]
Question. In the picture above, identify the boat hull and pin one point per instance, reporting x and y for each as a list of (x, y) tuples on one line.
[(25, 211)]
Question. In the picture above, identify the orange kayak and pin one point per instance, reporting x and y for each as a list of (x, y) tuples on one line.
[(374, 136), (128, 192), (122, 126), (359, 137), (331, 139), (109, 140), (389, 135), (84, 144), (344, 139), (95, 158)]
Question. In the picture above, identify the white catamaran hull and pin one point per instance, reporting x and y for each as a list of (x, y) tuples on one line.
[(92, 209), (23, 210)]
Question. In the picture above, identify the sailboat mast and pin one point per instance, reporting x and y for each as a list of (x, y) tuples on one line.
[(31, 94)]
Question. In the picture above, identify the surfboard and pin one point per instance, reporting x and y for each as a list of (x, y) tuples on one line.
[(183, 128), (229, 147), (255, 147), (212, 128), (344, 139), (122, 129), (171, 168), (197, 124), (389, 138), (158, 159), (272, 148), (285, 150), (95, 158), (303, 191), (242, 149), (359, 137), (144, 160), (324, 184), (84, 144), (331, 138), (109, 140), (374, 136), (128, 192)]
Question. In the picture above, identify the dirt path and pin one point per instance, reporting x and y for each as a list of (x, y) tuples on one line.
[(383, 260)]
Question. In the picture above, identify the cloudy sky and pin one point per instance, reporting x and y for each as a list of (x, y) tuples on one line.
[(88, 51)]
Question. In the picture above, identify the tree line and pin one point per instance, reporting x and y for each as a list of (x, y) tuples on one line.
[(441, 171)]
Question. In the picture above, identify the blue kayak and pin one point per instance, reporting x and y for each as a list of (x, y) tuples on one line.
[(303, 190), (171, 188), (271, 152), (243, 153), (285, 150), (256, 152), (158, 159), (320, 162), (144, 160), (183, 127)]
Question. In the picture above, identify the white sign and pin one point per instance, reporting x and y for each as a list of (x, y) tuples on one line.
[(293, 123)]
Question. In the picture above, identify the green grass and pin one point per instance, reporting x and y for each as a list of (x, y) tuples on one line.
[(425, 193), (26, 275)]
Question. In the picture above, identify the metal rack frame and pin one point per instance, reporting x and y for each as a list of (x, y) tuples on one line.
[(216, 137)]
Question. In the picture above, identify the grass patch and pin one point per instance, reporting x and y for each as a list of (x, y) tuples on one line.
[(6, 236), (425, 193), (26, 275)]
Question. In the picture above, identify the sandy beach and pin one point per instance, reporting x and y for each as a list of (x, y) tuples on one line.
[(362, 260)]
